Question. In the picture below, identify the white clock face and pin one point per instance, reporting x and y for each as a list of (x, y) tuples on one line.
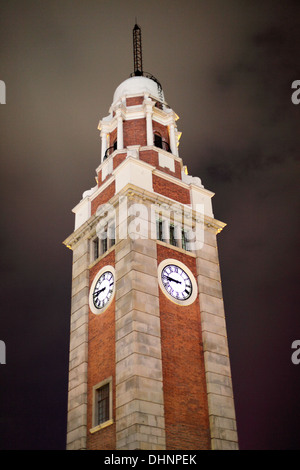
[(103, 290), (176, 282)]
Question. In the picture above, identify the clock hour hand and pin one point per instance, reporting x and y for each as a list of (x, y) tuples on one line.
[(173, 280), (98, 291)]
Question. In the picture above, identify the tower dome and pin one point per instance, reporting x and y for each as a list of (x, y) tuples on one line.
[(138, 85)]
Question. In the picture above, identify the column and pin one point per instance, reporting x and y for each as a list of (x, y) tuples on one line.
[(149, 111), (78, 358), (120, 144), (103, 144), (173, 144), (139, 381)]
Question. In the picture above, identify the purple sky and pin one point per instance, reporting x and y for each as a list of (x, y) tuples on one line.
[(226, 69)]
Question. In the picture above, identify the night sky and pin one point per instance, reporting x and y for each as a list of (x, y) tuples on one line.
[(226, 68)]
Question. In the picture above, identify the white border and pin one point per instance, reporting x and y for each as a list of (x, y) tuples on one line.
[(95, 310), (194, 294)]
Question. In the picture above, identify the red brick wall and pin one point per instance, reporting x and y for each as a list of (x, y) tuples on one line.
[(134, 132), (103, 197), (101, 362), (184, 385), (135, 100), (118, 159), (171, 190), (149, 156), (176, 173)]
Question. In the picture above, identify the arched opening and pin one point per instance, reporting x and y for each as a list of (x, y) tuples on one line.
[(158, 142)]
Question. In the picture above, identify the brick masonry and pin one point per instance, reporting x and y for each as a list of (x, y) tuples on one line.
[(134, 132), (101, 363), (134, 100), (185, 394), (171, 190), (103, 197)]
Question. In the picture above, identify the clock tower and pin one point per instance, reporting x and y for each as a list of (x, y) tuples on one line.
[(149, 363)]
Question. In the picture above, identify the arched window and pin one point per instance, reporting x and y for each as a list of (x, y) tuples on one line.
[(158, 142), (110, 150)]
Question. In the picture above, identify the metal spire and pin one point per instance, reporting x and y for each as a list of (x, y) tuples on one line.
[(138, 59), (137, 50)]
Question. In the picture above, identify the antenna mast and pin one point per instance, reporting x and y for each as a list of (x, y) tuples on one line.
[(137, 50), (138, 59)]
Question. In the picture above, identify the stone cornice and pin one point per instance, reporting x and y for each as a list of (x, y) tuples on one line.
[(163, 116), (132, 192)]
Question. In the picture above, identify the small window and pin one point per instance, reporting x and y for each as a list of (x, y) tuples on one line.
[(159, 232), (172, 234), (107, 239), (102, 404), (95, 248), (173, 240), (104, 245), (115, 145), (112, 234), (184, 243)]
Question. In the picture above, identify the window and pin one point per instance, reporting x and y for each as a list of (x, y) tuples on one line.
[(107, 239), (104, 243), (158, 142), (95, 248), (159, 234), (184, 242), (173, 239), (102, 405), (171, 233), (111, 232)]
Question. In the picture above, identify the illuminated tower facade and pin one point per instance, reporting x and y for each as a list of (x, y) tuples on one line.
[(149, 361)]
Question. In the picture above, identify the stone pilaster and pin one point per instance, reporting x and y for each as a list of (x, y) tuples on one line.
[(78, 358), (216, 355), (139, 387)]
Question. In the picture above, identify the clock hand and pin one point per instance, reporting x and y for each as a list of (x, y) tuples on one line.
[(173, 280), (98, 291)]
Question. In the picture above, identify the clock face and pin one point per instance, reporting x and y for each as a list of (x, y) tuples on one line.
[(176, 282), (103, 290)]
